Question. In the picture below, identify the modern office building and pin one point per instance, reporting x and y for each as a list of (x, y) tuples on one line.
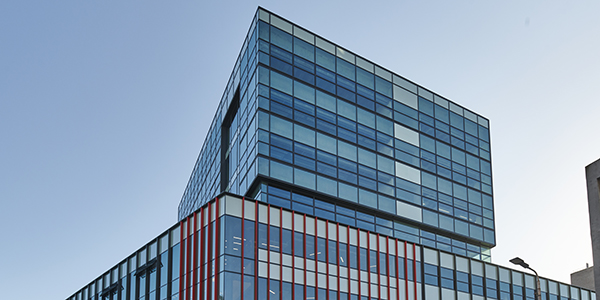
[(326, 176)]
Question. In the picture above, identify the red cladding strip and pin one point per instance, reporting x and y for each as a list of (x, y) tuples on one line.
[(216, 248), (415, 268), (209, 249), (201, 267), (188, 259), (348, 258), (181, 258), (387, 267), (195, 246)]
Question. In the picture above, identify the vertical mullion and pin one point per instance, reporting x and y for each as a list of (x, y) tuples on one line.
[(316, 260), (280, 253), (337, 259), (406, 269), (201, 267), (305, 254), (293, 256), (327, 257), (358, 261), (268, 249), (387, 265), (243, 237), (369, 262), (256, 250), (415, 268), (397, 270)]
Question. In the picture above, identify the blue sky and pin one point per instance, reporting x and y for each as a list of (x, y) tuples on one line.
[(104, 106)]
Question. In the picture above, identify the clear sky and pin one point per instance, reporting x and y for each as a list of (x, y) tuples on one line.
[(104, 106)]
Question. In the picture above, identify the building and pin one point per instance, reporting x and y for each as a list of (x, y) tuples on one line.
[(592, 175), (353, 183), (584, 278)]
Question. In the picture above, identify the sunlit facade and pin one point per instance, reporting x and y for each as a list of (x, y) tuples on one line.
[(234, 248), (307, 125), (326, 176)]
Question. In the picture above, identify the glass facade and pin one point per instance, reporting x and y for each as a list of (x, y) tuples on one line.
[(307, 125), (234, 248)]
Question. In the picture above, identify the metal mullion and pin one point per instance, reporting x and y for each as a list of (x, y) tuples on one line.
[(415, 268), (369, 262), (397, 270), (337, 259), (242, 251), (378, 269), (293, 255), (406, 269), (358, 261), (268, 249), (316, 260), (280, 253), (327, 257), (256, 250), (387, 266)]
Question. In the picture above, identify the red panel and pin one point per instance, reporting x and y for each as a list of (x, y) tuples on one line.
[(397, 270), (195, 247), (201, 268), (209, 249), (216, 292), (415, 268), (305, 254), (337, 259), (181, 258)]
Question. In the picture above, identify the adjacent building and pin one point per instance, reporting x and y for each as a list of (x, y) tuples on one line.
[(327, 176)]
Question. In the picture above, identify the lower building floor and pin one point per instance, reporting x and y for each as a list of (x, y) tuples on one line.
[(234, 248)]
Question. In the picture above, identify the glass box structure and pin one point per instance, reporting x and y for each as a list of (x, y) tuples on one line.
[(307, 125), (325, 176)]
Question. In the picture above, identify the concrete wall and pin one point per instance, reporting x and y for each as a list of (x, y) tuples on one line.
[(584, 278), (592, 176)]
